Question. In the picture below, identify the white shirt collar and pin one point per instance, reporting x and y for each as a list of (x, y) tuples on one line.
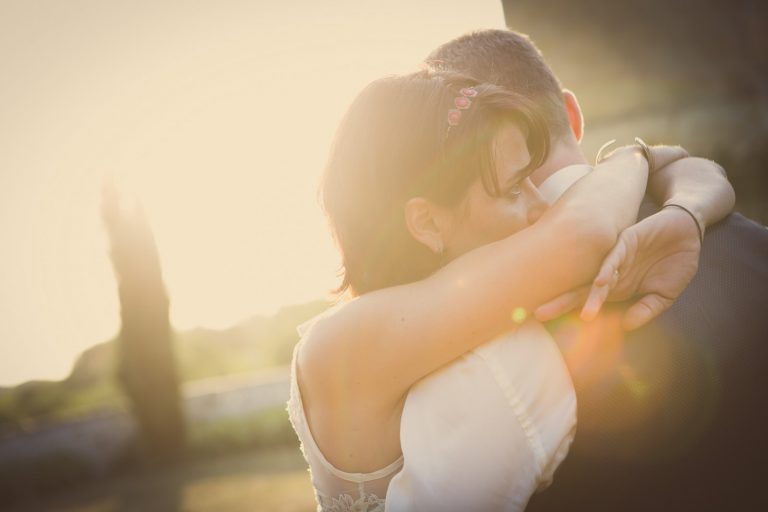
[(554, 186)]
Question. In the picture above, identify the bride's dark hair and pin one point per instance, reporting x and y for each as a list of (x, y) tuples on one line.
[(394, 144)]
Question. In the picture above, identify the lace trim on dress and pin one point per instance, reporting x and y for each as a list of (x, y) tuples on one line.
[(346, 503)]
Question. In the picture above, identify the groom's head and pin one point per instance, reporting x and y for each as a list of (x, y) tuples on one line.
[(511, 60)]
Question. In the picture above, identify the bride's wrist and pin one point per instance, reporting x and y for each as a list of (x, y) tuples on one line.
[(687, 214), (637, 151), (629, 158)]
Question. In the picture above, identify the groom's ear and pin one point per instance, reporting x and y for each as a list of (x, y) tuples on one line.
[(575, 117), (427, 223)]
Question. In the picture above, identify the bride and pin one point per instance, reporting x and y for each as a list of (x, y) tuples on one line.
[(446, 245)]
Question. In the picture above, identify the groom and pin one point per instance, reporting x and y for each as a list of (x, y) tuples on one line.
[(674, 415)]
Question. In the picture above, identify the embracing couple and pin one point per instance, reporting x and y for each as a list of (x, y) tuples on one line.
[(467, 215)]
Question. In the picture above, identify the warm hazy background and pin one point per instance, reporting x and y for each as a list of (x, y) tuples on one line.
[(218, 115)]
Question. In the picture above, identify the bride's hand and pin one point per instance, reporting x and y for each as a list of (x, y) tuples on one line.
[(657, 257), (654, 259)]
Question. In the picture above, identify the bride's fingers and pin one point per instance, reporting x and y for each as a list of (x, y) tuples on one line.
[(611, 264), (607, 277), (562, 304), (599, 292), (594, 302)]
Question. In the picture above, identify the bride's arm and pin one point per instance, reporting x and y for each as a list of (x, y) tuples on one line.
[(657, 257), (391, 338)]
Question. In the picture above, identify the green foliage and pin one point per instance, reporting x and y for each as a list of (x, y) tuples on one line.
[(101, 395), (265, 429), (47, 402), (36, 399), (254, 344)]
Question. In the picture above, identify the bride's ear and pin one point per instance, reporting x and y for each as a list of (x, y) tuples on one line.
[(427, 223)]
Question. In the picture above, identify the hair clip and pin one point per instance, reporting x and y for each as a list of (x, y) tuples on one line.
[(462, 102)]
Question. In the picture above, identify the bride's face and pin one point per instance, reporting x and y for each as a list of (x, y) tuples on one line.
[(481, 218)]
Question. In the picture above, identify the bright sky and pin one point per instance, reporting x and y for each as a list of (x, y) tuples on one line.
[(218, 115)]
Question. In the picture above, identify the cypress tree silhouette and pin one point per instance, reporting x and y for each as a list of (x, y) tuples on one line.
[(145, 364)]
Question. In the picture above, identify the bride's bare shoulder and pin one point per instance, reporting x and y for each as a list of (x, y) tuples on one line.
[(339, 353), (327, 338)]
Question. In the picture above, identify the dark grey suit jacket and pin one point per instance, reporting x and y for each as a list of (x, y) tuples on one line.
[(682, 421)]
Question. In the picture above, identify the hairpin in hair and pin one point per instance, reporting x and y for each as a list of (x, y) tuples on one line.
[(462, 102)]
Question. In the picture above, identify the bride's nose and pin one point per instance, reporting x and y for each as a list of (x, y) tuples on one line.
[(537, 205)]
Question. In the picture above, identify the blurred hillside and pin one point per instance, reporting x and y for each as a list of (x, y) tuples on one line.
[(686, 72), (254, 344)]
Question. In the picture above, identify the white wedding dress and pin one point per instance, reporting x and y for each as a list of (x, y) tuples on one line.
[(488, 430), (481, 434)]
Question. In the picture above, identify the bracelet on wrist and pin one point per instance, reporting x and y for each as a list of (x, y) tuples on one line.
[(689, 212), (647, 153)]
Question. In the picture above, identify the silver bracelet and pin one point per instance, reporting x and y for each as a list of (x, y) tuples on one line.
[(689, 212), (599, 157), (647, 153)]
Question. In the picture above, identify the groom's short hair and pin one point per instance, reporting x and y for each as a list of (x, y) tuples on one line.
[(511, 60)]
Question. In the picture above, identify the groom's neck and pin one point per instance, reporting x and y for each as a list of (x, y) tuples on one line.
[(563, 152)]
